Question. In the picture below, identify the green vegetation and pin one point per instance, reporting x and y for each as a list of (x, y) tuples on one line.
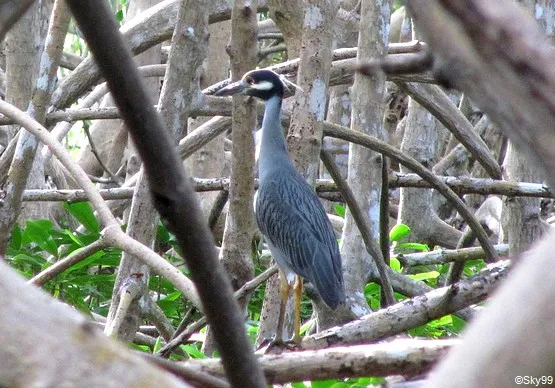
[(88, 285)]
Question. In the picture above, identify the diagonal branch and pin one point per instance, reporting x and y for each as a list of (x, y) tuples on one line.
[(409, 162), (171, 191), (362, 224)]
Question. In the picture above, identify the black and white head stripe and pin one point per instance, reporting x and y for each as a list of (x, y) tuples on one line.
[(261, 83)]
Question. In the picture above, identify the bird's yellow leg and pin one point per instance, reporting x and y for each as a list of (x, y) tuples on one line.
[(298, 289), (284, 292)]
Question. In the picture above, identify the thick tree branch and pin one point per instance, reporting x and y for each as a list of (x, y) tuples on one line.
[(56, 336), (411, 312), (171, 191), (407, 357), (460, 185)]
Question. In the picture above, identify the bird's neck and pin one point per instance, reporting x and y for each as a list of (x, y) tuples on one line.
[(273, 148)]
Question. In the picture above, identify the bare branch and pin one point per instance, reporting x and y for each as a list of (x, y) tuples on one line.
[(409, 162), (362, 224), (407, 357), (442, 256), (411, 312)]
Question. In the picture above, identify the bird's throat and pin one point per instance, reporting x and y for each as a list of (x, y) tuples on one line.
[(273, 148)]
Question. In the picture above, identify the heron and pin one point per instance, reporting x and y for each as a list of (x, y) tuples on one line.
[(289, 215)]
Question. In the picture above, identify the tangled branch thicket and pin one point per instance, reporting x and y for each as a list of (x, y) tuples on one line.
[(461, 113)]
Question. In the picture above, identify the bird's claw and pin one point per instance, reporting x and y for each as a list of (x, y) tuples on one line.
[(278, 345)]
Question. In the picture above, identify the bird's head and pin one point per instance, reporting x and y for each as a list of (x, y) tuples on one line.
[(257, 83)]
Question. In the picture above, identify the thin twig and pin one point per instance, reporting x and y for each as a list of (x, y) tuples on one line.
[(73, 258), (442, 256), (116, 179), (183, 324), (362, 225), (384, 221), (246, 289)]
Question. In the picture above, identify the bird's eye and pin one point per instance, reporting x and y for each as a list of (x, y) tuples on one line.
[(249, 80)]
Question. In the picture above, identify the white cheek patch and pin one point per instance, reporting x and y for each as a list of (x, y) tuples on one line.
[(263, 85)]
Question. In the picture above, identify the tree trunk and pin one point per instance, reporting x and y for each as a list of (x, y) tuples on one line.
[(24, 49), (521, 216), (143, 219), (236, 252), (364, 176)]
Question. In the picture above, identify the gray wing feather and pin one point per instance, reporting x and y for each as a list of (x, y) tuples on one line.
[(293, 220)]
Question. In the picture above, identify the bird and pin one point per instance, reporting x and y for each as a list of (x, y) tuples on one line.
[(289, 215)]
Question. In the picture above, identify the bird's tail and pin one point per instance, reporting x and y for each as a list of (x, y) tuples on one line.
[(329, 283)]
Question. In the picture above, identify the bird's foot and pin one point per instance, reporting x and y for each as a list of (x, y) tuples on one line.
[(278, 345)]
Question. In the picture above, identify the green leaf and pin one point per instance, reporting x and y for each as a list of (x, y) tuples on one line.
[(340, 384), (458, 324), (142, 348), (15, 243), (413, 247), (69, 234), (340, 210), (425, 275), (40, 232), (472, 267), (395, 264), (324, 383), (119, 16), (21, 259), (398, 232), (443, 321), (87, 262), (193, 351), (91, 279), (298, 385), (157, 345), (307, 325), (83, 212)]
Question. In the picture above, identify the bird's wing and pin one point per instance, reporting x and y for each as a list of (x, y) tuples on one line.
[(292, 218)]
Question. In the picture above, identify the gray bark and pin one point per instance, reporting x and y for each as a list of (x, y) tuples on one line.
[(57, 336), (24, 58), (239, 229), (364, 175), (415, 210), (142, 223), (521, 217)]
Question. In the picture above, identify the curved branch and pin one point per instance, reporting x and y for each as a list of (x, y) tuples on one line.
[(112, 227), (340, 132)]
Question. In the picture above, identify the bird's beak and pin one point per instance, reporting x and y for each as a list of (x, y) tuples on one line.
[(234, 88)]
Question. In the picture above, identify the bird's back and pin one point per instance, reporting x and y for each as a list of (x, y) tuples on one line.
[(298, 231)]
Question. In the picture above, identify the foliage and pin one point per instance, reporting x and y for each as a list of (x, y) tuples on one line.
[(88, 285)]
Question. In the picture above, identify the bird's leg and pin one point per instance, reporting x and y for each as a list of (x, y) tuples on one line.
[(284, 291), (298, 289)]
